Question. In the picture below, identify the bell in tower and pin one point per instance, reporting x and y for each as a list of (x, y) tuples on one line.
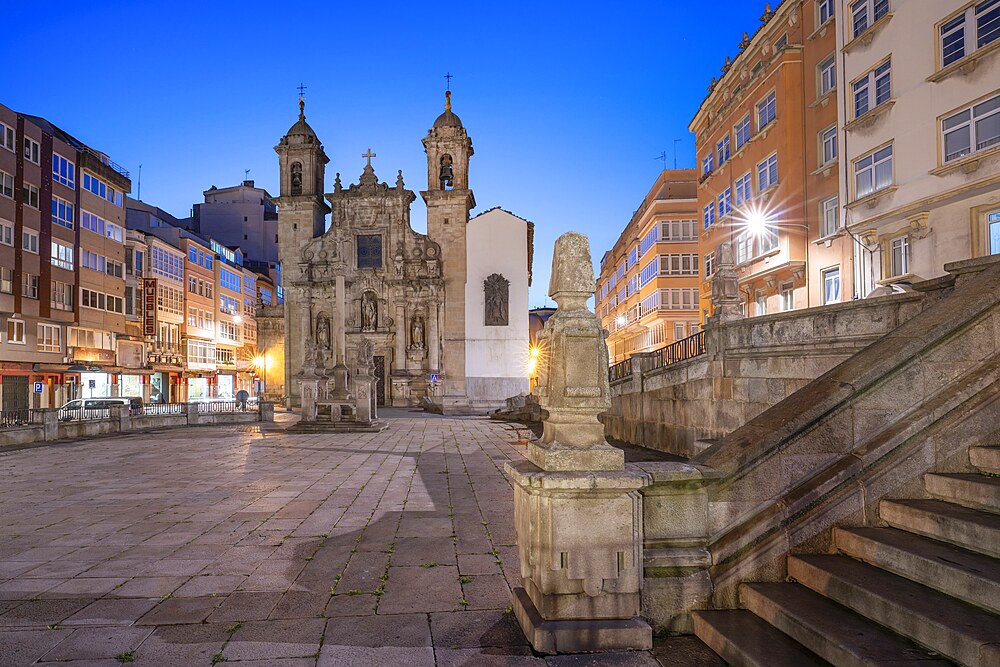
[(448, 151)]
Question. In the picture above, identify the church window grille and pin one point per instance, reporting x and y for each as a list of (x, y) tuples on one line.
[(370, 251)]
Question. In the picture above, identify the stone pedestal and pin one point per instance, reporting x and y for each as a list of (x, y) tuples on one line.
[(579, 538), (577, 510)]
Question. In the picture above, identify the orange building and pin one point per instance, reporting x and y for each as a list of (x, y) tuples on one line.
[(767, 141), (647, 292)]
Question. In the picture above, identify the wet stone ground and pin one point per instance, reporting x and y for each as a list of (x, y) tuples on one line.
[(245, 544)]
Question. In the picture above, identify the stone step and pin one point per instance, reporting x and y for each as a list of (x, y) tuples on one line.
[(955, 629), (964, 527), (986, 459), (743, 639), (964, 574), (968, 489), (830, 630)]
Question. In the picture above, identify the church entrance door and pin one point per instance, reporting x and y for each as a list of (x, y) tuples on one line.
[(380, 380)]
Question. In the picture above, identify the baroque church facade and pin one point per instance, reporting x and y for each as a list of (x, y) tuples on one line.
[(446, 312)]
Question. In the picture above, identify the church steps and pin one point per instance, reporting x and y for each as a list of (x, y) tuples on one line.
[(987, 459), (964, 527), (962, 632), (967, 489), (966, 575), (830, 630), (743, 639)]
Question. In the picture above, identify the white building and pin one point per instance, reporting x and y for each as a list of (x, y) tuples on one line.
[(496, 356), (920, 103)]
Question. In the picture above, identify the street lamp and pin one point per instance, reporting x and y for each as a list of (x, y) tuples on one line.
[(260, 362)]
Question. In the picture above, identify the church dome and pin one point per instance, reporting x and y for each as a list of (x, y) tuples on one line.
[(448, 118), (301, 128)]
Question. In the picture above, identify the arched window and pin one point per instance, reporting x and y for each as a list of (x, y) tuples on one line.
[(296, 178)]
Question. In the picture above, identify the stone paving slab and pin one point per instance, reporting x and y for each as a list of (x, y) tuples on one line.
[(194, 546)]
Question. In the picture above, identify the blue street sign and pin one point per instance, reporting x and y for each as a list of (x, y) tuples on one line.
[(434, 378), (38, 387)]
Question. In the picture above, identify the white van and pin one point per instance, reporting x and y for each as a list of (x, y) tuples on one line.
[(96, 408)]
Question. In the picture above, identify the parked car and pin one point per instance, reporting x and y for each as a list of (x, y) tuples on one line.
[(83, 407)]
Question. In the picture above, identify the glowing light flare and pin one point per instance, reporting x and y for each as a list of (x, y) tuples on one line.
[(535, 354), (260, 361)]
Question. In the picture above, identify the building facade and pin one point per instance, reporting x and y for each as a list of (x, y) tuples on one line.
[(920, 101), (768, 142), (370, 275), (62, 269), (647, 291)]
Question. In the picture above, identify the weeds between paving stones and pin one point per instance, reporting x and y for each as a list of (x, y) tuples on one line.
[(218, 657), (126, 656), (428, 565), (234, 627), (465, 580)]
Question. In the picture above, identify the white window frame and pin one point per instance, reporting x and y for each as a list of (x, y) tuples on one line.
[(964, 28), (767, 172), (786, 296), (722, 148), (49, 337), (872, 170), (7, 137), (725, 202), (62, 255), (6, 185), (706, 164), (6, 233), (873, 89), (831, 276), (993, 231), (825, 10), (32, 150), (29, 285), (15, 326), (69, 178), (899, 256), (743, 128), (63, 212), (29, 240), (6, 280), (968, 120), (744, 189), (828, 75), (865, 14), (760, 303), (828, 145), (31, 195), (829, 208), (708, 214), (767, 110)]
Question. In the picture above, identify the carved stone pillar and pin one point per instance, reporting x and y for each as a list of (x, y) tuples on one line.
[(340, 391), (433, 339), (577, 510), (726, 287), (401, 331)]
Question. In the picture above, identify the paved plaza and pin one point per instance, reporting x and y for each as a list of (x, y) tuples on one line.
[(196, 546)]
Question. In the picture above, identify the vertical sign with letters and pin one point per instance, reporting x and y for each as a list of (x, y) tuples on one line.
[(149, 307)]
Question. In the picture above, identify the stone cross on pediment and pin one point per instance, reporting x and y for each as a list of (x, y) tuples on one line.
[(369, 155)]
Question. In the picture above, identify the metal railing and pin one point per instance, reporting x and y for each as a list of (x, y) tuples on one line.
[(681, 350), (620, 371), (250, 405), (10, 418), (163, 409), (83, 414)]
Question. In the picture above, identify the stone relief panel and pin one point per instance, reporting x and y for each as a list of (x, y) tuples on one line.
[(497, 291)]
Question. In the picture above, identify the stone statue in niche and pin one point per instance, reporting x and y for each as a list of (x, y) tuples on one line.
[(323, 332), (366, 354), (369, 312), (447, 171), (297, 178), (309, 356), (497, 289), (417, 332)]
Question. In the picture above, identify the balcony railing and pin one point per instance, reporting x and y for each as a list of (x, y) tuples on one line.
[(163, 409), (681, 350), (620, 371), (9, 418)]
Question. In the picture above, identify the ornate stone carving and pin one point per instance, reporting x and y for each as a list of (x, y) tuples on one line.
[(497, 292), (726, 286), (323, 332), (417, 332), (369, 311)]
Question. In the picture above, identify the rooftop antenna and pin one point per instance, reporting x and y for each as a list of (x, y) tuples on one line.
[(138, 185), (246, 175), (449, 77), (676, 141), (662, 156)]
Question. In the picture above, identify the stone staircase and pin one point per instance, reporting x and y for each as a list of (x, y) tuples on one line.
[(924, 591)]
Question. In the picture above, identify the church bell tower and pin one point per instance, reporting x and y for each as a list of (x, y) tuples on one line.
[(301, 218), (449, 200)]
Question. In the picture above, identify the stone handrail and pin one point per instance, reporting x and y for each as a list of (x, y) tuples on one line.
[(865, 430)]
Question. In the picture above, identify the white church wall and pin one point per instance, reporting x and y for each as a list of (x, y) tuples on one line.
[(496, 356)]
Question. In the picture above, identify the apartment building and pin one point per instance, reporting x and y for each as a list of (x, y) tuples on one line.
[(920, 100), (647, 290), (767, 142), (229, 343), (62, 283)]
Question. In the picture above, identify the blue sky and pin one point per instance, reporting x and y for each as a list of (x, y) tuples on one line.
[(567, 104)]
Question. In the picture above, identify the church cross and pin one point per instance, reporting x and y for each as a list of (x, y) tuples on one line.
[(369, 155), (302, 90), (449, 77)]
